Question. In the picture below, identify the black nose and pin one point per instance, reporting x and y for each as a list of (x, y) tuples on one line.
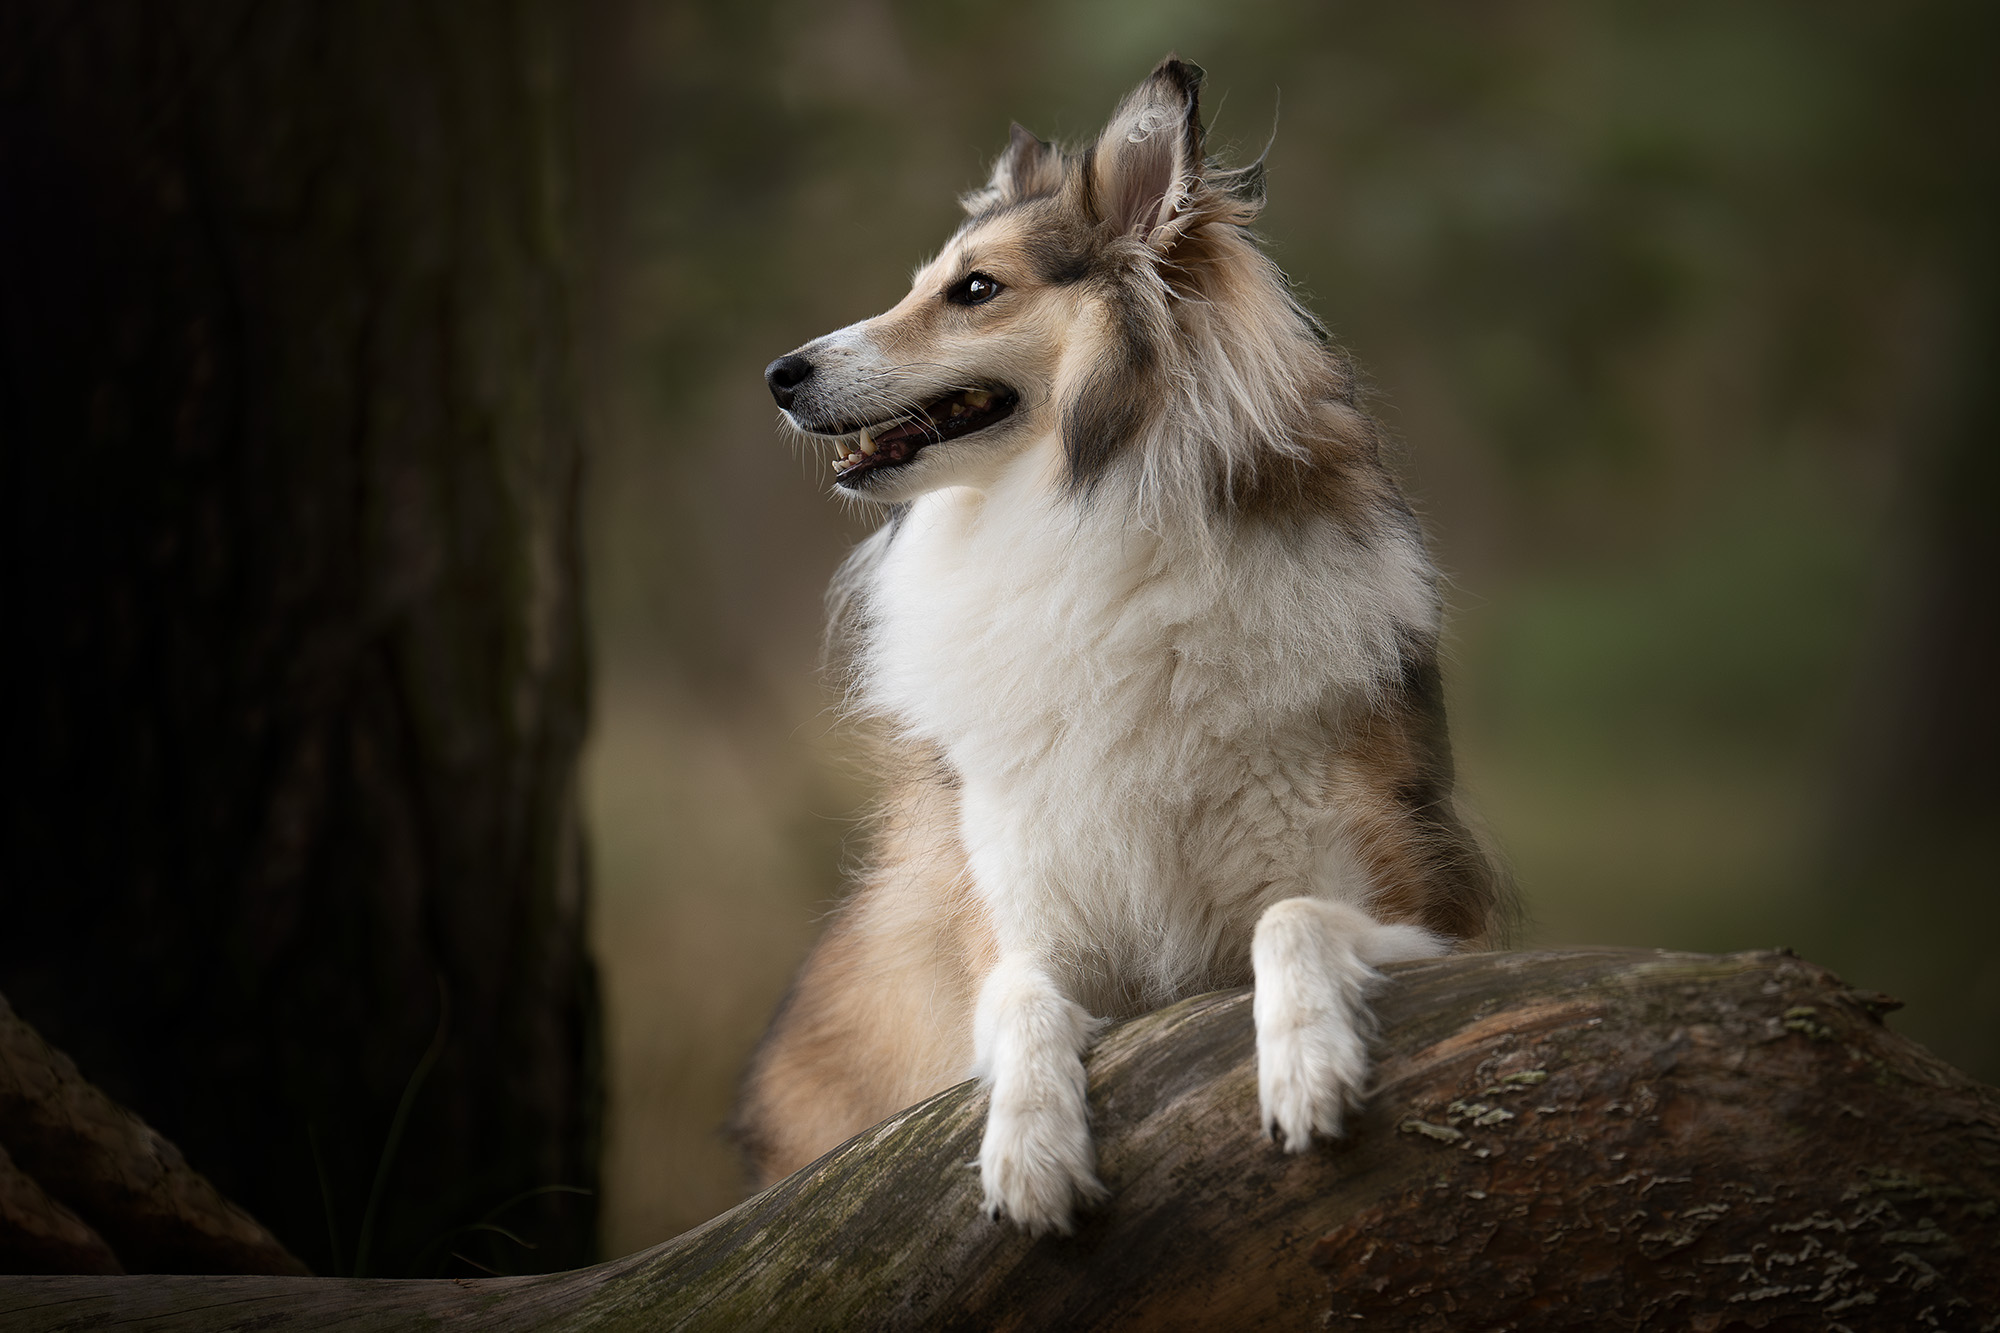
[(786, 374)]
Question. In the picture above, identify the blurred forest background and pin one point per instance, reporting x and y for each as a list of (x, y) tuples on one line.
[(1685, 315)]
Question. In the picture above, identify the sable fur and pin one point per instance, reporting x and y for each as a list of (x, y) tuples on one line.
[(1155, 658)]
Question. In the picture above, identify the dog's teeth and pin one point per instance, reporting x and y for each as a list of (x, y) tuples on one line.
[(840, 448), (867, 443), (977, 398)]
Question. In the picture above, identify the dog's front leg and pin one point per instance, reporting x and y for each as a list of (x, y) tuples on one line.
[(1315, 963), (1036, 1161)]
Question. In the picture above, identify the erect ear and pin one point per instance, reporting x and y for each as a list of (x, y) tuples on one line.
[(1028, 167), (1147, 162)]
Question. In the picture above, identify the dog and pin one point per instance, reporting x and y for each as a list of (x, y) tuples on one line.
[(1152, 639)]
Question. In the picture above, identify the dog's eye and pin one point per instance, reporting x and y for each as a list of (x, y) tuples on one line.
[(976, 289)]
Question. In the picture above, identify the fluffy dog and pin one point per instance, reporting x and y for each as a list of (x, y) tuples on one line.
[(1152, 636)]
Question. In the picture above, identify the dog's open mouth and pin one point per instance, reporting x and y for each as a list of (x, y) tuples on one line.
[(894, 443)]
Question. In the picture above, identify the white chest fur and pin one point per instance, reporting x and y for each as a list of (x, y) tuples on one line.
[(1139, 718)]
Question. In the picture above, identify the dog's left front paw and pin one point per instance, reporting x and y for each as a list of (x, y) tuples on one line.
[(1312, 1016), (1312, 1069)]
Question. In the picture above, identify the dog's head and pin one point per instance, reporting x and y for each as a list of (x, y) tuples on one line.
[(1050, 314)]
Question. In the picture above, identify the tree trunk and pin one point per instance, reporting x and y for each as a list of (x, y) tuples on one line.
[(1555, 1141), (295, 652)]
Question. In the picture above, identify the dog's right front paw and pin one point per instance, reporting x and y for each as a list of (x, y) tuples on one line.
[(1038, 1167)]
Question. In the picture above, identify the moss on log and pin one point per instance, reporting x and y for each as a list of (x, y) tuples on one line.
[(1555, 1141)]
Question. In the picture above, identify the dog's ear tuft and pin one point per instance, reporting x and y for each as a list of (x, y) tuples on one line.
[(1147, 163), (1027, 168)]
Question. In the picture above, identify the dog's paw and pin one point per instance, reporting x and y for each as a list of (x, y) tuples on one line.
[(1312, 1016), (1038, 1167), (1312, 1068)]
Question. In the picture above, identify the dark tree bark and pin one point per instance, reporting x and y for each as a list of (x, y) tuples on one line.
[(1612, 1139), (295, 653), (88, 1187), (39, 1235)]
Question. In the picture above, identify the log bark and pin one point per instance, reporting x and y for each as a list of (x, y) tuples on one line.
[(142, 1207), (39, 1235), (1555, 1141)]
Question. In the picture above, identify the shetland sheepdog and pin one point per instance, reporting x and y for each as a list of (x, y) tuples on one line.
[(1151, 638)]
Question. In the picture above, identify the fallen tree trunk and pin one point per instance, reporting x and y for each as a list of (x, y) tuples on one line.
[(1556, 1141)]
